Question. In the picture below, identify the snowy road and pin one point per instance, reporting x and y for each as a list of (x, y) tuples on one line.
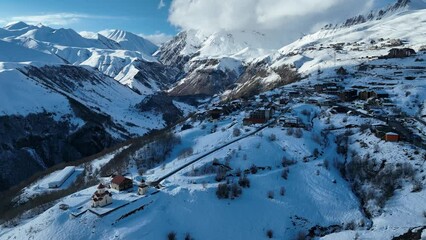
[(157, 182)]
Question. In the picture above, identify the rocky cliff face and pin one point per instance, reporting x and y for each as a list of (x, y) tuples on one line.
[(38, 141)]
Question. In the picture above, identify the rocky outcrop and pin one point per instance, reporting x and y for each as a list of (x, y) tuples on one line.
[(206, 77), (37, 141), (163, 104)]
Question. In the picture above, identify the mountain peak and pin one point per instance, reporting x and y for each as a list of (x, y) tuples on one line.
[(16, 25), (130, 41)]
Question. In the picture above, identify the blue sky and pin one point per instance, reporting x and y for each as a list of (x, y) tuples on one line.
[(138, 16), (157, 19)]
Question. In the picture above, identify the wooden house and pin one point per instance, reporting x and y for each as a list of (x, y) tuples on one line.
[(349, 95), (215, 113), (250, 121), (364, 95), (401, 52), (391, 137), (120, 183)]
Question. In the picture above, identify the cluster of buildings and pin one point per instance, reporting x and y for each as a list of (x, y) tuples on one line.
[(103, 196), (399, 53), (385, 133), (261, 116)]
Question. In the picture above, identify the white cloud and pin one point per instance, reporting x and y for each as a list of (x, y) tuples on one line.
[(55, 19), (287, 17), (161, 4), (158, 38)]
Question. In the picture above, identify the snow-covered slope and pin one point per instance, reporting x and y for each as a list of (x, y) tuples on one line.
[(130, 41), (373, 38), (14, 53)]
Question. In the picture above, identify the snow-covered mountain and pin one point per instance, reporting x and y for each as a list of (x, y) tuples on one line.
[(112, 54), (130, 41), (64, 84), (318, 169), (214, 63)]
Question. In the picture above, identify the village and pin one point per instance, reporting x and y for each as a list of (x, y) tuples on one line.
[(366, 99), (371, 99), (361, 99)]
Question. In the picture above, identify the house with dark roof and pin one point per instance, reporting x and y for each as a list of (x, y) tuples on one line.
[(101, 197), (120, 183), (399, 53)]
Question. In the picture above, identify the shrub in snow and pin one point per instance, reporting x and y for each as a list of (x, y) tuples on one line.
[(244, 182), (270, 194), (290, 131), (298, 133), (222, 191), (350, 225), (326, 164), (238, 172), (221, 174), (188, 236), (270, 233), (235, 190), (236, 132), (171, 236), (376, 148), (272, 137), (375, 184), (282, 191), (284, 173), (287, 162), (316, 153), (417, 186), (253, 169)]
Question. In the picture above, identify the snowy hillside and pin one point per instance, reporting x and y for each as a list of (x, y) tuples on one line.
[(323, 138)]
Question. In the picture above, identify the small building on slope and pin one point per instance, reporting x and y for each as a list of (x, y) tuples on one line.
[(101, 197), (61, 177), (120, 183)]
